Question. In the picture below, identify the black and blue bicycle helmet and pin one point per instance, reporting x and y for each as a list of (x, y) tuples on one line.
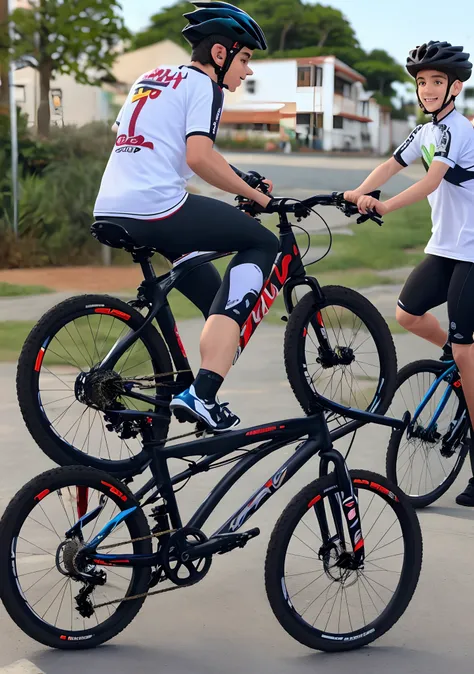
[(223, 19)]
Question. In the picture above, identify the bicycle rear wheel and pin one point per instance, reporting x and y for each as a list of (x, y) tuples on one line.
[(425, 467), (71, 339), (365, 376), (42, 588), (324, 605)]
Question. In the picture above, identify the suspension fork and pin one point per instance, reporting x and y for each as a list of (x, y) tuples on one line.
[(317, 322), (344, 499)]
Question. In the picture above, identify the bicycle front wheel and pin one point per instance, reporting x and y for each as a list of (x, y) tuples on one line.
[(424, 461), (315, 597), (363, 374), (68, 342)]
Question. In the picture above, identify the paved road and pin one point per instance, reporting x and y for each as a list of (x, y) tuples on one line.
[(224, 624), (307, 172)]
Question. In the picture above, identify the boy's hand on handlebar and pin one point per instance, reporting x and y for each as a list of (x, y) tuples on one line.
[(262, 199), (268, 182), (366, 203), (353, 196)]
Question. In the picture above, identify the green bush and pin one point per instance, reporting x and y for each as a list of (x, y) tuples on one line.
[(59, 181)]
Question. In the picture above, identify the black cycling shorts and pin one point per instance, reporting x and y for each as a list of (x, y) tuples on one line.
[(204, 224), (437, 280)]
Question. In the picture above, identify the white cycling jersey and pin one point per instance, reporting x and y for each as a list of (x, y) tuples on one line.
[(451, 141), (146, 174)]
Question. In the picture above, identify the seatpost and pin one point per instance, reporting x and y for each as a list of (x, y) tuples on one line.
[(146, 265)]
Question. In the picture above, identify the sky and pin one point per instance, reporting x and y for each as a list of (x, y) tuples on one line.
[(394, 25)]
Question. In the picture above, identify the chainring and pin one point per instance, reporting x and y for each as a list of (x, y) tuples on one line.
[(179, 572)]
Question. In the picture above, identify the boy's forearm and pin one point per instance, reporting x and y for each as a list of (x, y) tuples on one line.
[(416, 192), (379, 176), (216, 171)]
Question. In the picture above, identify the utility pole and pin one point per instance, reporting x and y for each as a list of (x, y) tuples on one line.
[(4, 59)]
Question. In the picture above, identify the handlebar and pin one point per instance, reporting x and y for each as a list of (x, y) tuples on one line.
[(301, 209)]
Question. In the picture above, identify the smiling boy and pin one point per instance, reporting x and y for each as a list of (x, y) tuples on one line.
[(446, 147)]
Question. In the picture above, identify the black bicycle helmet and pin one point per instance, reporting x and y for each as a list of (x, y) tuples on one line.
[(223, 19), (441, 56), (446, 58)]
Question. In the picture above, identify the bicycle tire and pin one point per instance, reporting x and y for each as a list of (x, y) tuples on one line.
[(422, 501), (295, 338), (30, 364), (11, 592), (276, 581)]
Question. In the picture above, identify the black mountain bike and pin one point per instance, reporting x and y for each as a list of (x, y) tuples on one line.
[(94, 354), (79, 557)]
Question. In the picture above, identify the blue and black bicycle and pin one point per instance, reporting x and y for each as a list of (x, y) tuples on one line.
[(425, 458)]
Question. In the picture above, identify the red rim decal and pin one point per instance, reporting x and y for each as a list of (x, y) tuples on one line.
[(39, 359), (114, 490), (39, 497), (315, 500), (378, 487), (112, 312)]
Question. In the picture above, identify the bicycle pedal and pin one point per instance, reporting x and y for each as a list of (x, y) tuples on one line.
[(239, 540)]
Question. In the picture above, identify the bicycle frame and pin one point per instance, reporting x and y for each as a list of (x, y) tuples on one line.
[(287, 273), (276, 434), (448, 373)]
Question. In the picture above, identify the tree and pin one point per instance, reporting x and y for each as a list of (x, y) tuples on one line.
[(166, 25), (381, 71), (75, 37), (324, 26), (295, 28)]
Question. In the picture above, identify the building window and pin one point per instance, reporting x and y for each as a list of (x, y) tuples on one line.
[(342, 87), (250, 86), (319, 77), (338, 122), (365, 108), (304, 76), (303, 118), (274, 128), (20, 93)]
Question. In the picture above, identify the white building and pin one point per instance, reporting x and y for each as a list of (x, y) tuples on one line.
[(320, 99)]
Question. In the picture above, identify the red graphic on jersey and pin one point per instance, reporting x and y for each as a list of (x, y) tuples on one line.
[(133, 140), (165, 77)]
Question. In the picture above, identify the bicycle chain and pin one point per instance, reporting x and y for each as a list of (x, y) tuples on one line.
[(154, 378), (136, 540), (143, 594), (140, 596)]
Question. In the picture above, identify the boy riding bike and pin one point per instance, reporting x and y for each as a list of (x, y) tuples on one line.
[(167, 128), (446, 146)]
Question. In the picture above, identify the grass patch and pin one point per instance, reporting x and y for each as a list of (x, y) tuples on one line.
[(395, 327), (398, 243), (357, 278), (12, 337), (14, 333), (12, 290)]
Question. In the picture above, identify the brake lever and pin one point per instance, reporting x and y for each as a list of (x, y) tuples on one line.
[(370, 215)]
